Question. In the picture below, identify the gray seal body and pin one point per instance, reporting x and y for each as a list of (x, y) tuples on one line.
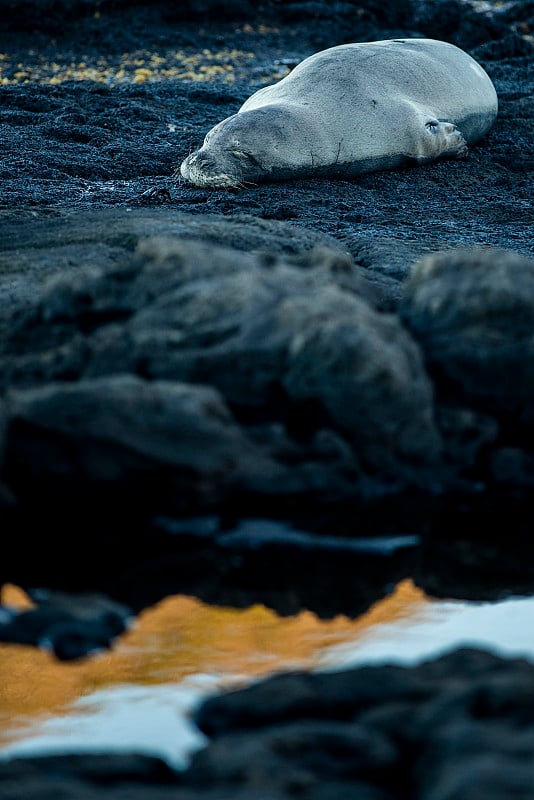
[(352, 109)]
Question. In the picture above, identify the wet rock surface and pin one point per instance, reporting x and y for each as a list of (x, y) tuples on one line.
[(297, 394)]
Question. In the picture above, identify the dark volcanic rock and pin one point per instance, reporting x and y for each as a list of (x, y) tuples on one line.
[(428, 731), (463, 23), (52, 15), (473, 314), (328, 389), (89, 777), (30, 252), (330, 393), (175, 443), (70, 626)]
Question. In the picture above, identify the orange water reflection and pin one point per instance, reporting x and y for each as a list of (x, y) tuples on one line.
[(179, 637)]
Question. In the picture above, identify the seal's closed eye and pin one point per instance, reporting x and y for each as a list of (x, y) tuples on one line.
[(244, 156)]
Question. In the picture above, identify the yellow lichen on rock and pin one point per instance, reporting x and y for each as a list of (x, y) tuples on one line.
[(142, 75), (137, 67)]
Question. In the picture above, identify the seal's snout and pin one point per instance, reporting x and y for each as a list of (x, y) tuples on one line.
[(202, 169), (188, 164)]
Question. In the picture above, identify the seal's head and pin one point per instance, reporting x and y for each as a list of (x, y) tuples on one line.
[(245, 148)]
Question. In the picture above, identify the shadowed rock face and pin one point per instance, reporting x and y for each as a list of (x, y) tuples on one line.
[(473, 313), (321, 725), (313, 389), (294, 344), (113, 431)]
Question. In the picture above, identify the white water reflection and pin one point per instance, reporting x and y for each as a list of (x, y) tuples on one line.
[(151, 720), (155, 718), (504, 628)]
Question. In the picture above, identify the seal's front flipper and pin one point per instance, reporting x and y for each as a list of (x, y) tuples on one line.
[(444, 140)]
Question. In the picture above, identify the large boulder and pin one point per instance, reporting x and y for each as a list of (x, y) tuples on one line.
[(316, 379), (458, 727), (472, 312), (154, 442)]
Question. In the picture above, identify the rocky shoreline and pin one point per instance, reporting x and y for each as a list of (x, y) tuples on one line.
[(297, 394), (460, 726)]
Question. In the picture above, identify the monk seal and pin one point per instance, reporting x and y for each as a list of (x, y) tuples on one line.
[(352, 109)]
